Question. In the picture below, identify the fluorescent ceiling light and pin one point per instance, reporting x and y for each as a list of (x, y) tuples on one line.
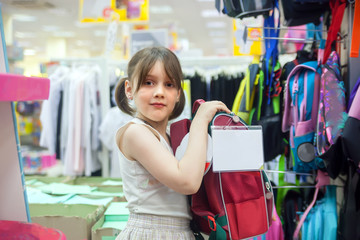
[(23, 44), (162, 9), (82, 43), (84, 25), (217, 33), (208, 13), (64, 34), (216, 24), (50, 28), (25, 35), (24, 18), (29, 52), (59, 11)]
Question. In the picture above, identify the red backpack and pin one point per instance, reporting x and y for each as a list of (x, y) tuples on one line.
[(228, 205)]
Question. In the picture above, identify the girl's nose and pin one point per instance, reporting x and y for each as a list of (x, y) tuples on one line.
[(159, 90)]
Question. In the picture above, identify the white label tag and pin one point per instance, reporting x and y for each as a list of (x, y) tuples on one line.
[(237, 148)]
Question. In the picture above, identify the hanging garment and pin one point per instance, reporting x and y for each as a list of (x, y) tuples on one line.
[(113, 120), (49, 110), (321, 222), (350, 212)]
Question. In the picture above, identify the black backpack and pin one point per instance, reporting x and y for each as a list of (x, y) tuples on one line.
[(299, 13), (246, 8)]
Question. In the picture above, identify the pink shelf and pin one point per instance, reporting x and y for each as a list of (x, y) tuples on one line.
[(20, 88)]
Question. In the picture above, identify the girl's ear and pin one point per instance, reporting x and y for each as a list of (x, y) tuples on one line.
[(128, 90), (178, 95)]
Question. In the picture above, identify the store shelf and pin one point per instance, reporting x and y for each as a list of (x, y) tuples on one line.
[(20, 88)]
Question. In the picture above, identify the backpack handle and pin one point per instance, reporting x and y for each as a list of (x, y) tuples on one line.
[(196, 105)]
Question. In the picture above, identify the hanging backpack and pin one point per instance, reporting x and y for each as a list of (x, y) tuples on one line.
[(267, 108), (245, 8), (268, 114), (300, 114), (244, 99), (332, 105), (228, 205), (299, 13)]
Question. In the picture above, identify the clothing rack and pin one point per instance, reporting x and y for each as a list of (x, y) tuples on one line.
[(214, 61), (104, 85), (294, 186), (290, 172), (287, 28)]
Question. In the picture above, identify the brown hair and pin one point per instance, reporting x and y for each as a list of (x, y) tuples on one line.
[(138, 68)]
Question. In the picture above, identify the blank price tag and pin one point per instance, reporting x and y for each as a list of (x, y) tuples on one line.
[(237, 148)]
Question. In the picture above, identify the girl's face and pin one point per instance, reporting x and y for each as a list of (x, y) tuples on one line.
[(156, 98)]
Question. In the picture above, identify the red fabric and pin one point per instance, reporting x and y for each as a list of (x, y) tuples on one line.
[(355, 39), (178, 130), (247, 211), (245, 203), (337, 13), (23, 230)]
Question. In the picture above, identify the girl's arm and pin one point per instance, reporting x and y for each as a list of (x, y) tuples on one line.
[(183, 176)]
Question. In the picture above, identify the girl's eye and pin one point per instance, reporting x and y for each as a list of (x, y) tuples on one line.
[(170, 85), (148, 82)]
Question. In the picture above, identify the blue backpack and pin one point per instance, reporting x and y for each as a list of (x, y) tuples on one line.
[(300, 114)]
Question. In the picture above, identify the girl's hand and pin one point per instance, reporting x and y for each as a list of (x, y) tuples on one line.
[(207, 111)]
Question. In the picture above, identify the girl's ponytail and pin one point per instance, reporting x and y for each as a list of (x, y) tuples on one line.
[(121, 99)]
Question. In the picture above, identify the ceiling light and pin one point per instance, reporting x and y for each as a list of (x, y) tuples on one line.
[(216, 24), (208, 13), (59, 11), (29, 52), (23, 44), (25, 35), (163, 9), (64, 34), (217, 33), (50, 28), (24, 18), (82, 43), (83, 25)]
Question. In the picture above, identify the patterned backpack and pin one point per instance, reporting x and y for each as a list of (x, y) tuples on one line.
[(332, 105)]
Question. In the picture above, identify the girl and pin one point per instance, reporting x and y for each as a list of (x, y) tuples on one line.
[(155, 183)]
